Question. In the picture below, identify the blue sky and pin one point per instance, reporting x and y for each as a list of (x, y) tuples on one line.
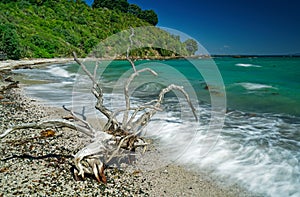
[(233, 26)]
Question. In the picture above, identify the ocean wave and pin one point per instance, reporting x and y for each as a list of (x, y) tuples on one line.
[(59, 71), (255, 86), (254, 151), (247, 65)]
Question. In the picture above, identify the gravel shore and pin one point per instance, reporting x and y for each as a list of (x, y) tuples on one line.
[(35, 164), (25, 63)]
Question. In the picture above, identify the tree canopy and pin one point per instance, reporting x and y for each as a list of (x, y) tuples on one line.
[(191, 46), (9, 41), (123, 6), (149, 16), (134, 9), (56, 28)]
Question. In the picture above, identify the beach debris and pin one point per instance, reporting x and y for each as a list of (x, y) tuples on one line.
[(47, 133), (68, 117), (117, 141), (5, 169)]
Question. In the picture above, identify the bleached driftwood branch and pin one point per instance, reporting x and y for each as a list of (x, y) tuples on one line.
[(128, 50), (143, 120), (126, 90), (116, 136), (98, 93), (49, 123)]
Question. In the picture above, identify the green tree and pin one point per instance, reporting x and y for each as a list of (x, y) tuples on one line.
[(8, 1), (37, 2), (134, 9), (149, 16), (9, 41), (191, 46), (121, 5)]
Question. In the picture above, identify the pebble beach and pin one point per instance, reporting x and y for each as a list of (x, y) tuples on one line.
[(34, 163)]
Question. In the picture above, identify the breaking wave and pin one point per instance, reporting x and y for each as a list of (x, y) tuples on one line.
[(247, 65)]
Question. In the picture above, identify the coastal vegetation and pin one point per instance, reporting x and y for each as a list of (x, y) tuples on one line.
[(123, 6), (191, 46), (48, 28)]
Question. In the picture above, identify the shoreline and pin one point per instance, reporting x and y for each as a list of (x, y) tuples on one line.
[(29, 63), (31, 163)]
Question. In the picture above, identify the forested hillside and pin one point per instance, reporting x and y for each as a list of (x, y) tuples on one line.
[(56, 28)]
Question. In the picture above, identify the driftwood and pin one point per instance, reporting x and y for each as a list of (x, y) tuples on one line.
[(116, 136)]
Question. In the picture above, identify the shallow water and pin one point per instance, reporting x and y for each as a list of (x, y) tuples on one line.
[(259, 144)]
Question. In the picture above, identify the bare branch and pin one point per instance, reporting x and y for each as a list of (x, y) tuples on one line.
[(121, 143), (128, 49), (139, 109), (126, 90), (135, 109), (95, 70), (179, 88), (81, 120), (49, 123), (118, 148), (98, 93), (84, 69), (144, 119)]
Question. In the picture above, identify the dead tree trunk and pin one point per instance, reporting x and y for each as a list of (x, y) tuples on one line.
[(116, 136)]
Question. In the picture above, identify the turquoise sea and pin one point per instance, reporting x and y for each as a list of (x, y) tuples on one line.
[(262, 84), (258, 145)]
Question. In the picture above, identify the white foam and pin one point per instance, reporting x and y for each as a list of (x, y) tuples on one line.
[(252, 152), (247, 65), (255, 86), (59, 71)]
